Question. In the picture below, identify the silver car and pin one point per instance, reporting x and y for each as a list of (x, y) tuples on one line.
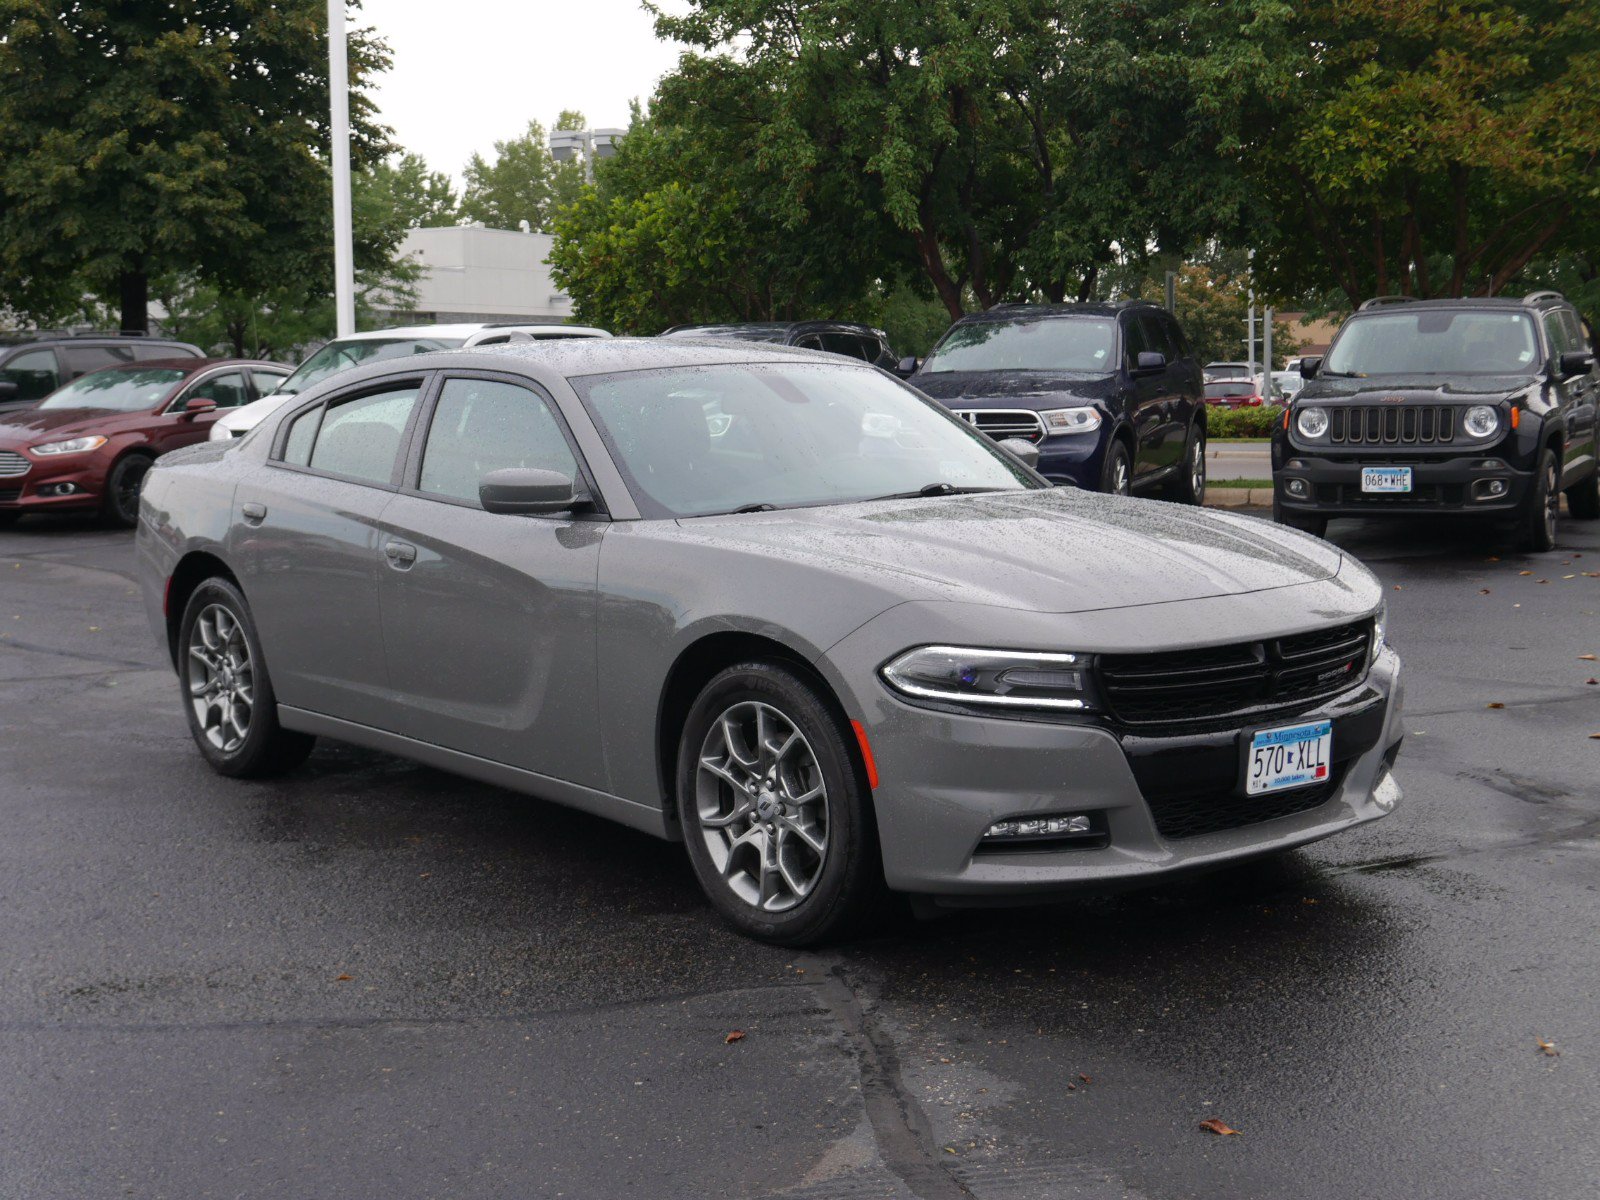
[(778, 606)]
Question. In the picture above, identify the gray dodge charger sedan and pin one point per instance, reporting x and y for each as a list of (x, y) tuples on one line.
[(774, 604)]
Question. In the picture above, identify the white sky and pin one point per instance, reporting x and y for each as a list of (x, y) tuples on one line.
[(468, 73)]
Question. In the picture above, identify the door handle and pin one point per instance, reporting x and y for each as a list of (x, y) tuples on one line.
[(253, 512), (401, 554)]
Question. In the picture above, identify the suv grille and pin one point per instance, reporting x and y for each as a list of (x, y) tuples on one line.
[(1184, 689), (1392, 425), (1194, 813), (1002, 423), (12, 464)]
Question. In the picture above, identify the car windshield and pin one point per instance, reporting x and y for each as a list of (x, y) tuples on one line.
[(342, 355), (117, 391), (1229, 387), (1436, 342), (699, 440), (1045, 344)]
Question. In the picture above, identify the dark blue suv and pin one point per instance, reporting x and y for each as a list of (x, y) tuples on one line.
[(1110, 393)]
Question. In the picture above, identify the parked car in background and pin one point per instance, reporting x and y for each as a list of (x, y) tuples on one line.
[(380, 344), (1110, 393), (849, 338), (1227, 370), (1233, 393), (774, 604), (1482, 407), (88, 446), (34, 365), (1280, 386)]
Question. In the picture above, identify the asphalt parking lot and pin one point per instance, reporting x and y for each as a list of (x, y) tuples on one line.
[(373, 979)]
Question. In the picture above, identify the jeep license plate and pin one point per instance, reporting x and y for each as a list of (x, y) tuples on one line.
[(1385, 479), (1290, 756)]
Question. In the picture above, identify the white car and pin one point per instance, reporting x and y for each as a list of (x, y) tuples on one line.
[(377, 345)]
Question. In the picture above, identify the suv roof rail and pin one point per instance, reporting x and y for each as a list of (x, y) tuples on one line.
[(1542, 295), (115, 333), (1380, 301)]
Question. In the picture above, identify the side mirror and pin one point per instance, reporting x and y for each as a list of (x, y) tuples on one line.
[(907, 366), (194, 408), (1310, 366), (1151, 360), (1573, 362), (1022, 450), (528, 492)]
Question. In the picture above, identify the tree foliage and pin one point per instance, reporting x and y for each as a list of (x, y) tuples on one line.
[(523, 182), (142, 140)]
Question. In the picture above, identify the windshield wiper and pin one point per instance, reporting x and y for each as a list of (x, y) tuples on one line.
[(940, 488)]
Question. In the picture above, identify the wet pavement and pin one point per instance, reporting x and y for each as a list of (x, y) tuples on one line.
[(374, 979)]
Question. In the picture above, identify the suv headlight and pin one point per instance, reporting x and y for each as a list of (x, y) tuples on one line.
[(1312, 422), (1481, 421), (1070, 420), (77, 445), (991, 678)]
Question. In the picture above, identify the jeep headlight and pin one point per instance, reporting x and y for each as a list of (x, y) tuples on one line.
[(1481, 421), (1312, 422), (974, 677)]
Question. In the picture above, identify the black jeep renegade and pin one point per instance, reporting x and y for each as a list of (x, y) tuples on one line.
[(1473, 407)]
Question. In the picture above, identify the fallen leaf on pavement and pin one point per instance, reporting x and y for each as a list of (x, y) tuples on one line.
[(1524, 572), (1595, 737), (1586, 658), (1494, 704), (1483, 591), (343, 978), (1548, 1047), (736, 1036), (1217, 1127), (1592, 680)]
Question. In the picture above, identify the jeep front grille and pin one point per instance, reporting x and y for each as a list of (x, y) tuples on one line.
[(1392, 425)]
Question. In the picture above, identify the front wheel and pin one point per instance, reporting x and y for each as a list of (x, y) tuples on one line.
[(233, 713), (1583, 499), (1538, 520), (1188, 483), (774, 807), (1305, 522), (121, 504), (1117, 475)]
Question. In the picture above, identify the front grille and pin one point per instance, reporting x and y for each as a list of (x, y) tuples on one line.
[(1191, 689), (1392, 425), (13, 464), (1190, 814), (1002, 423)]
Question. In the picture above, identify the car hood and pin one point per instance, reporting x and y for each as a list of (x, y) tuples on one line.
[(1422, 389), (1032, 389), (29, 424), (1057, 550)]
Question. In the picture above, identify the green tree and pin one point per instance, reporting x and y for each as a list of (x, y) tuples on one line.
[(144, 140), (419, 198), (523, 182)]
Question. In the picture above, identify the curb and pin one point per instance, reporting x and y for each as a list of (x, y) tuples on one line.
[(1227, 497)]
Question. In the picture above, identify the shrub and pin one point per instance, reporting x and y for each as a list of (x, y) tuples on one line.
[(1243, 422)]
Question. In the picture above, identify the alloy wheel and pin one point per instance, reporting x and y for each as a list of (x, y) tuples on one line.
[(1552, 501), (221, 678), (1119, 476), (1197, 470), (762, 806)]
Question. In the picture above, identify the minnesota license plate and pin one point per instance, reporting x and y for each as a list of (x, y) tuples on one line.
[(1290, 756), (1385, 479)]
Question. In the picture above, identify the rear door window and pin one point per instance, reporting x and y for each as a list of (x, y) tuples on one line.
[(483, 425), (851, 345), (34, 372), (83, 359), (359, 438)]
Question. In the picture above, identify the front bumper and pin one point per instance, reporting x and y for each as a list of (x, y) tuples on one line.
[(72, 483), (1076, 458), (1470, 484), (945, 778)]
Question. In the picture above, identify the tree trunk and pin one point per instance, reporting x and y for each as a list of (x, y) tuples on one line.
[(933, 263), (134, 290)]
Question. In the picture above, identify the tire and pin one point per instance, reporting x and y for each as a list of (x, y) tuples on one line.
[(120, 505), (1583, 498), (1116, 476), (1306, 523), (223, 675), (736, 799), (1188, 483), (1537, 522)]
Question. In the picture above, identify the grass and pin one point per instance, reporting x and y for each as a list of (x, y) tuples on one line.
[(1240, 483)]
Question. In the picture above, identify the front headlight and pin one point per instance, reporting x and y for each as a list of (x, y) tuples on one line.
[(1312, 422), (1379, 630), (1070, 420), (991, 678), (1481, 421), (77, 445)]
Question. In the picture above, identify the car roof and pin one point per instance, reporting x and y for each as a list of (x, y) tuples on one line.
[(460, 330), (759, 329), (1385, 304), (1029, 312)]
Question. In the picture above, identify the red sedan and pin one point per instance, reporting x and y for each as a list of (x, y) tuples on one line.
[(87, 446), (1232, 393)]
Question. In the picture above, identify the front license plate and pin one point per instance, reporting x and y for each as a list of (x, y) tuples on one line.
[(1290, 756), (1385, 479)]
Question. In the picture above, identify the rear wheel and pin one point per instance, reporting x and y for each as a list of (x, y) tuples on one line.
[(774, 807), (1538, 520), (233, 713), (1583, 498), (1305, 522), (1116, 477), (1188, 482), (120, 506)]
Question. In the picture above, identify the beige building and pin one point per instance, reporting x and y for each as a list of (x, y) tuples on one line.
[(474, 274)]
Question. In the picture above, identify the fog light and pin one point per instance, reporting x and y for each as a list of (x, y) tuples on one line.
[(1490, 489), (58, 489), (1040, 827), (1297, 487)]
